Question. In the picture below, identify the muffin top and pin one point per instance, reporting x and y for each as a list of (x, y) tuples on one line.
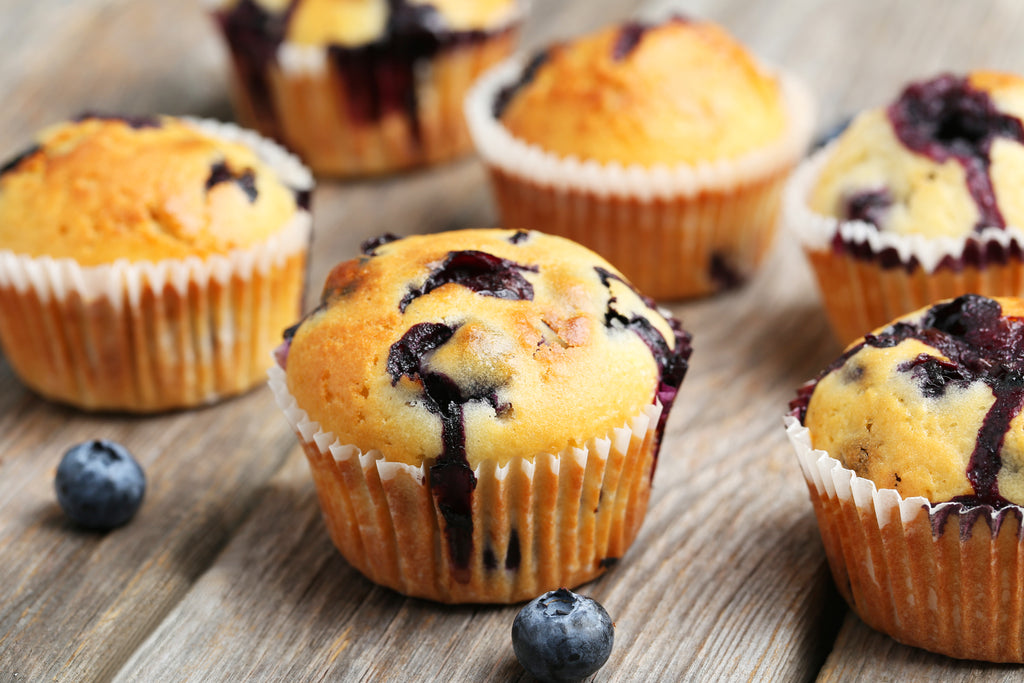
[(946, 159), (931, 404), (479, 345), (678, 92), (99, 189), (358, 22)]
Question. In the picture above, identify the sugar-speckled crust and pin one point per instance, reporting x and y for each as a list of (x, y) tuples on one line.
[(679, 92), (358, 22), (100, 189), (924, 195), (931, 404), (545, 370)]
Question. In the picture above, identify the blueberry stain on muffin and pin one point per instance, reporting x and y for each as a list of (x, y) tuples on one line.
[(137, 122), (506, 94), (16, 160), (672, 362), (946, 118), (381, 73), (220, 172), (869, 206), (253, 36), (451, 478), (723, 273), (968, 341), (370, 246), (484, 273), (630, 35)]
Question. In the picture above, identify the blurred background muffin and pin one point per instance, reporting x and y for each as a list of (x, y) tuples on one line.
[(360, 87), (917, 201), (482, 411), (149, 263), (912, 449), (662, 146)]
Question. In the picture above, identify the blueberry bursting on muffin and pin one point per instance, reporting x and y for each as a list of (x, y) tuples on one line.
[(929, 406), (435, 360), (381, 70), (361, 87), (941, 160)]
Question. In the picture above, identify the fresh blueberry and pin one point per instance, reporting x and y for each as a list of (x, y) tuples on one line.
[(99, 484), (561, 636)]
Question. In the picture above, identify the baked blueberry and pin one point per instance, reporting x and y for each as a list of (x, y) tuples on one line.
[(562, 636), (99, 484)]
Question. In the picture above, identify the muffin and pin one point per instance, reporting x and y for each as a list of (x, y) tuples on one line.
[(359, 87), (148, 263), (912, 447), (917, 201), (481, 410), (663, 147)]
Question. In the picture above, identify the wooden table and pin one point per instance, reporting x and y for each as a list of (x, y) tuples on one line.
[(227, 572)]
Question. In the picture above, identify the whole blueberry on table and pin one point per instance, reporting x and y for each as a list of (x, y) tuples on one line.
[(99, 484), (561, 636)]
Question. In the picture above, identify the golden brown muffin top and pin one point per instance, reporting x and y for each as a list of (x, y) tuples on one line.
[(679, 92), (98, 189), (931, 404), (945, 159), (480, 345), (357, 22)]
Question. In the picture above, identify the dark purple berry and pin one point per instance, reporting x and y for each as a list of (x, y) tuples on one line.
[(869, 206), (16, 160), (978, 344), (99, 484), (562, 636), (505, 96), (947, 118), (484, 273), (220, 172)]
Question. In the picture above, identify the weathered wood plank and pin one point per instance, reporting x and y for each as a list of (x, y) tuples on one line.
[(884, 660)]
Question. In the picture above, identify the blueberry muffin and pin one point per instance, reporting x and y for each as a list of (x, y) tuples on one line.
[(481, 410), (917, 201), (148, 263), (912, 446), (663, 147), (358, 87)]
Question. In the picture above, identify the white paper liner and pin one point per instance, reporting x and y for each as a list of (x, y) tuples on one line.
[(828, 474), (569, 511), (946, 577), (499, 148), (816, 232), (55, 278), (96, 320)]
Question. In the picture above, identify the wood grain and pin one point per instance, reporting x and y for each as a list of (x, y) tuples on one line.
[(228, 574)]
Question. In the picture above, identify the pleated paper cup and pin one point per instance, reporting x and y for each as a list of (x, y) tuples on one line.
[(674, 231), (152, 336), (868, 278), (948, 578), (302, 99), (558, 519)]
